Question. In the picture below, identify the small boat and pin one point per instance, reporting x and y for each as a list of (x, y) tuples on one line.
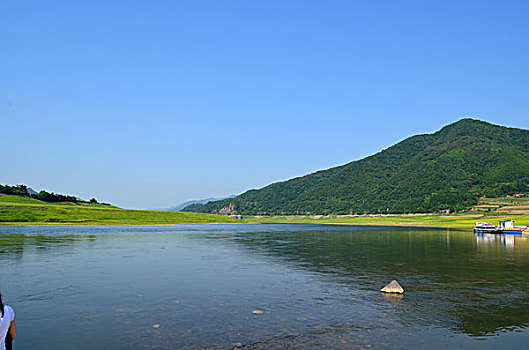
[(507, 227), (484, 227)]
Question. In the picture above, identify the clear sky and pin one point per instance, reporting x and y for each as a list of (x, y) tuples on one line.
[(146, 104)]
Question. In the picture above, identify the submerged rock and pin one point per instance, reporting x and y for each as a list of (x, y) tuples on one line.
[(393, 287), (393, 296)]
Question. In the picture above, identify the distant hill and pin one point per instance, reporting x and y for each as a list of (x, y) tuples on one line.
[(448, 170), (31, 191), (181, 206)]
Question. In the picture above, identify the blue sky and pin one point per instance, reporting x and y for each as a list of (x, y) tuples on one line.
[(145, 104)]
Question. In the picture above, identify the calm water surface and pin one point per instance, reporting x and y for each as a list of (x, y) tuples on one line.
[(104, 287)]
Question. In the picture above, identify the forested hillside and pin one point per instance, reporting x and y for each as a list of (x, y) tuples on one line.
[(447, 170)]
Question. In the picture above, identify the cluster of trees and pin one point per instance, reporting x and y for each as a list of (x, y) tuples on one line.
[(445, 171), (22, 190), (19, 190)]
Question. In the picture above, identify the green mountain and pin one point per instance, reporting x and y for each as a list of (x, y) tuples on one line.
[(447, 170)]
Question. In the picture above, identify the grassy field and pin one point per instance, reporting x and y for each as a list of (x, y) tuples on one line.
[(16, 210), (455, 221), (488, 209)]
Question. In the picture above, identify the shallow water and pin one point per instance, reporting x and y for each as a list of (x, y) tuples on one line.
[(310, 286)]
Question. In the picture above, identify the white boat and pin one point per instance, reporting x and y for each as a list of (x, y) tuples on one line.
[(484, 227)]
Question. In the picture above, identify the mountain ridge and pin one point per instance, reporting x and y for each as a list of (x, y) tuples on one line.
[(446, 170)]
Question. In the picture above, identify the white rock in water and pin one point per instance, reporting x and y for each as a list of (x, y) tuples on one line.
[(393, 287), (257, 312)]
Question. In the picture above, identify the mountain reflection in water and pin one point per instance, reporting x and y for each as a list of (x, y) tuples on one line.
[(317, 286)]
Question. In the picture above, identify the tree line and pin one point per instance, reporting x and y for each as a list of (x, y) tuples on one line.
[(50, 197)]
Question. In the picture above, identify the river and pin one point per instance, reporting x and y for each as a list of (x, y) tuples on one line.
[(263, 286)]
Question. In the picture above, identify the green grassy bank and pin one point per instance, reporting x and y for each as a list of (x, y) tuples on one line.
[(455, 221), (488, 209), (17, 210)]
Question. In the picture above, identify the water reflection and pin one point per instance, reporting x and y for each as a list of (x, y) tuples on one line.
[(13, 247), (494, 238), (450, 282), (314, 284)]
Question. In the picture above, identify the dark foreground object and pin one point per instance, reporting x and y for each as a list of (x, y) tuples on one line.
[(9, 341)]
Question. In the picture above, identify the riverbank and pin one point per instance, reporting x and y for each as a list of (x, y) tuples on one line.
[(487, 209), (463, 221), (16, 210)]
